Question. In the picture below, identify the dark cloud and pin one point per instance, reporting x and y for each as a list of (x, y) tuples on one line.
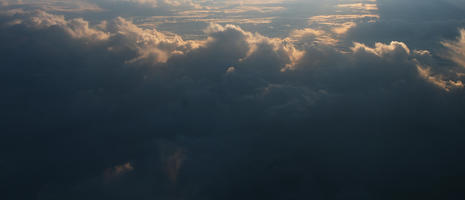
[(114, 111)]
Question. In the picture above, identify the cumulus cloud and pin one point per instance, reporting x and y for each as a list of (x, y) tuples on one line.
[(155, 46), (77, 28), (383, 50), (283, 48), (151, 44)]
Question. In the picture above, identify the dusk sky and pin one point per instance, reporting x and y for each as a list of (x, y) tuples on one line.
[(232, 99)]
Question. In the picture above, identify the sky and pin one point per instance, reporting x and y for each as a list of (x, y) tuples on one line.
[(232, 99)]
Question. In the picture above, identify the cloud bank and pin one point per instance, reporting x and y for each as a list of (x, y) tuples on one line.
[(107, 109)]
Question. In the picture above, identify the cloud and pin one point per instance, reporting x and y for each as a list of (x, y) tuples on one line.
[(246, 51), (449, 79), (172, 158), (438, 80), (163, 3), (308, 36), (360, 6), (151, 44), (77, 28), (242, 114), (153, 3), (456, 49), (343, 28), (383, 50), (283, 49), (118, 170), (230, 70), (177, 3), (4, 3), (55, 5), (155, 46)]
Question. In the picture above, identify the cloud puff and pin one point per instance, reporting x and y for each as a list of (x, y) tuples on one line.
[(282, 48), (151, 44), (383, 50)]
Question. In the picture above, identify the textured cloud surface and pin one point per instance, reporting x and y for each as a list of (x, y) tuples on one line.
[(133, 99)]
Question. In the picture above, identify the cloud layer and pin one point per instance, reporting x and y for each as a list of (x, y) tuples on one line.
[(111, 109)]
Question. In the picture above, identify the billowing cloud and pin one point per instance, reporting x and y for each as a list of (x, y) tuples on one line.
[(383, 50), (284, 49), (76, 28), (151, 44)]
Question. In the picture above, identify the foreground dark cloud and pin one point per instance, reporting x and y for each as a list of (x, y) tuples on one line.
[(110, 110)]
